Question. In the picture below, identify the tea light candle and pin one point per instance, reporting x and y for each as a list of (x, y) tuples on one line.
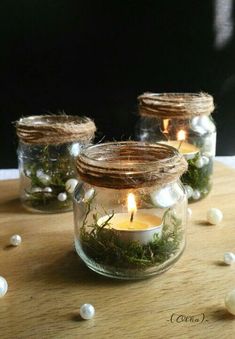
[(189, 151), (134, 225)]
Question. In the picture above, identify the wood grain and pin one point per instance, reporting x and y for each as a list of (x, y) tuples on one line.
[(48, 283)]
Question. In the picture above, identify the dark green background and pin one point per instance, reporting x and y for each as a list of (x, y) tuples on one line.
[(94, 57)]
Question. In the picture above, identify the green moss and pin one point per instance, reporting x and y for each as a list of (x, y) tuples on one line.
[(103, 245), (59, 170), (198, 178)]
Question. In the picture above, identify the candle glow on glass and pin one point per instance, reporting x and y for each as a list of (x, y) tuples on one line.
[(165, 125), (181, 135)]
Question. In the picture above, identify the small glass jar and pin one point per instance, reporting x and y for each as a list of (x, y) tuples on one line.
[(48, 147), (183, 120), (130, 209)]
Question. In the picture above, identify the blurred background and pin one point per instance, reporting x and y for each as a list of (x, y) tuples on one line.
[(95, 57)]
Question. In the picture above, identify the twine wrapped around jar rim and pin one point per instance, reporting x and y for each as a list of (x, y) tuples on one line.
[(130, 164), (54, 129), (175, 105)]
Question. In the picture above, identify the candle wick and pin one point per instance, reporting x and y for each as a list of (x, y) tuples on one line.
[(165, 133), (166, 136), (132, 217), (179, 145)]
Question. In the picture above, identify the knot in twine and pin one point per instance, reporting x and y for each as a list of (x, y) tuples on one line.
[(175, 105), (54, 129), (130, 164)]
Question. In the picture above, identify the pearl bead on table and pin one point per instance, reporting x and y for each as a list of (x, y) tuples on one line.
[(230, 302), (214, 216), (229, 258), (87, 311), (3, 287), (15, 240)]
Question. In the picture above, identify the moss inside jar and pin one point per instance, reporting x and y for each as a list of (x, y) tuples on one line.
[(48, 147), (130, 209), (183, 120)]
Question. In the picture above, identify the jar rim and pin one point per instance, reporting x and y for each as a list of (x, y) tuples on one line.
[(130, 164), (175, 105), (54, 129)]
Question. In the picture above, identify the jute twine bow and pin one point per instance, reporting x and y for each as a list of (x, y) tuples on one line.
[(54, 129), (175, 105), (130, 164)]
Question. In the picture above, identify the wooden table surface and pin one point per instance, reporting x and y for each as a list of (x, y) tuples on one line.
[(48, 282)]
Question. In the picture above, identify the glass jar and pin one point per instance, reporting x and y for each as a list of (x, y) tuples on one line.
[(183, 120), (48, 146), (130, 209)]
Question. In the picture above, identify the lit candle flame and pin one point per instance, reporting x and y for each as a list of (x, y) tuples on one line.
[(181, 135), (131, 205), (165, 125)]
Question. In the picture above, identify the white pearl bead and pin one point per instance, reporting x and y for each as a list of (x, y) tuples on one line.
[(199, 163), (208, 142), (15, 240), (27, 172), (229, 258), (196, 195), (199, 129), (62, 196), (89, 195), (208, 154), (194, 121), (3, 287), (167, 196), (87, 311), (35, 190), (44, 178), (230, 302), (70, 185), (189, 213), (195, 124), (47, 190), (39, 172), (205, 160), (75, 149), (206, 123), (214, 216), (189, 191)]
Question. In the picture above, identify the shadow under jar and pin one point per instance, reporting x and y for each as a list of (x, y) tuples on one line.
[(48, 147), (183, 120), (130, 209)]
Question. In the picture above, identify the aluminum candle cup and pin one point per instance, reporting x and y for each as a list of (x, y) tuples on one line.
[(142, 229), (130, 209), (189, 151)]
